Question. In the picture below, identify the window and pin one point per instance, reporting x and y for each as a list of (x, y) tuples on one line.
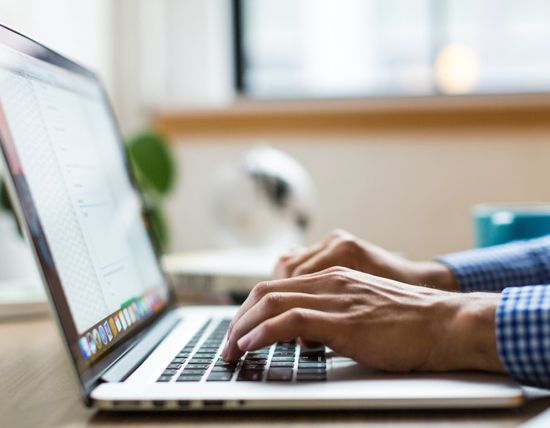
[(383, 48)]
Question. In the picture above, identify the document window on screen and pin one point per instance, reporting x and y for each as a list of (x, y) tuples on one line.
[(68, 148)]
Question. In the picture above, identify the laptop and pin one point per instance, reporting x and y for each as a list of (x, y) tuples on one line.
[(130, 345)]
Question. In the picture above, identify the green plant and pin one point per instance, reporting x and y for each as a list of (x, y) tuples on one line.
[(5, 202), (154, 170)]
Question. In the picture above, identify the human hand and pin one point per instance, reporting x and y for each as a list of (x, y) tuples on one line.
[(341, 248), (380, 323)]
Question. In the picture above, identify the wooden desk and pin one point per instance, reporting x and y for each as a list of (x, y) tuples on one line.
[(37, 390)]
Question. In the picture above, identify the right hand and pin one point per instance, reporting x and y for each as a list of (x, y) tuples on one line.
[(380, 323), (341, 248)]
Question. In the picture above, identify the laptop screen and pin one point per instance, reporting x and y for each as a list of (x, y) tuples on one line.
[(69, 171)]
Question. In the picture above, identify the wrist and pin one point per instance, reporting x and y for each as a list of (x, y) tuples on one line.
[(436, 275), (469, 333)]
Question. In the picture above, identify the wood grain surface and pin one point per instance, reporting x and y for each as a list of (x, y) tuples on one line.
[(37, 389)]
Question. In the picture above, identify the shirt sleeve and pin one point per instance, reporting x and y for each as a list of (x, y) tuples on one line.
[(495, 268), (523, 333), (523, 314)]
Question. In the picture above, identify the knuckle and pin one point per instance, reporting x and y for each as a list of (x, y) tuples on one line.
[(284, 257), (261, 289), (353, 301), (347, 244), (339, 277), (283, 261), (297, 315), (272, 299), (358, 316), (335, 269)]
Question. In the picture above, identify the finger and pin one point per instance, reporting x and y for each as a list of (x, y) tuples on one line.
[(324, 247), (308, 344), (318, 262), (311, 325), (273, 304), (288, 263), (297, 284)]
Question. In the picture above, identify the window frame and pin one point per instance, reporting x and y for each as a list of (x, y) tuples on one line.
[(239, 66)]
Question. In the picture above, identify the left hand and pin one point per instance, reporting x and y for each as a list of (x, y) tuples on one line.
[(381, 323), (340, 248)]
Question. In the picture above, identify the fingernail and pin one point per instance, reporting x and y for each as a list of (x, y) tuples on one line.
[(244, 342)]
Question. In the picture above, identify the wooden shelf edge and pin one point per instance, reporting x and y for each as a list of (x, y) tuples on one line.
[(269, 117)]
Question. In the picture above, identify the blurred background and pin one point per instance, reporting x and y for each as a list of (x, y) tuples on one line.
[(404, 113)]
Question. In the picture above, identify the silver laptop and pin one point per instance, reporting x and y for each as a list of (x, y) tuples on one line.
[(129, 345)]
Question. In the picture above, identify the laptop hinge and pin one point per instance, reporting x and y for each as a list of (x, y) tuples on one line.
[(131, 360)]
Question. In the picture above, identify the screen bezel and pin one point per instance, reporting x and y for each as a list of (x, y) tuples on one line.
[(28, 217)]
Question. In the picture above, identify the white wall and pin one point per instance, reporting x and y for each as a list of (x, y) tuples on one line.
[(170, 54), (408, 191), (81, 30)]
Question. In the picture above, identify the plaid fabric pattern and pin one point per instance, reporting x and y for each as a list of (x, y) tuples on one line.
[(495, 268), (523, 333), (523, 314)]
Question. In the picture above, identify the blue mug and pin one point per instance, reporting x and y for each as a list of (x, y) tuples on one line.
[(498, 224)]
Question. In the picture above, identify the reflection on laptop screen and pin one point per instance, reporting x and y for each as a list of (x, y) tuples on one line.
[(60, 140)]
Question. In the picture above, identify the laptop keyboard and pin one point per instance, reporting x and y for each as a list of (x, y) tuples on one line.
[(282, 362)]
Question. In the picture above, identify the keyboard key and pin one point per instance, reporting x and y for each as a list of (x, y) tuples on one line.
[(284, 353), (312, 365), (224, 369), (204, 354), (187, 371), (253, 367), (178, 360), (312, 351), (255, 357), (312, 358), (168, 372), (189, 378), (282, 364), (223, 363), (174, 366), (183, 354), (259, 362), (259, 352), (196, 366), (219, 377), (164, 379), (250, 376), (200, 361), (309, 370), (285, 359), (279, 374)]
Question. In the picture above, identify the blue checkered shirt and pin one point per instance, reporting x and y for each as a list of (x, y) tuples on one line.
[(521, 271)]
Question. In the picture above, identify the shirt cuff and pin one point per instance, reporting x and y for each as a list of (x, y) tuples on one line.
[(523, 333), (495, 268)]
